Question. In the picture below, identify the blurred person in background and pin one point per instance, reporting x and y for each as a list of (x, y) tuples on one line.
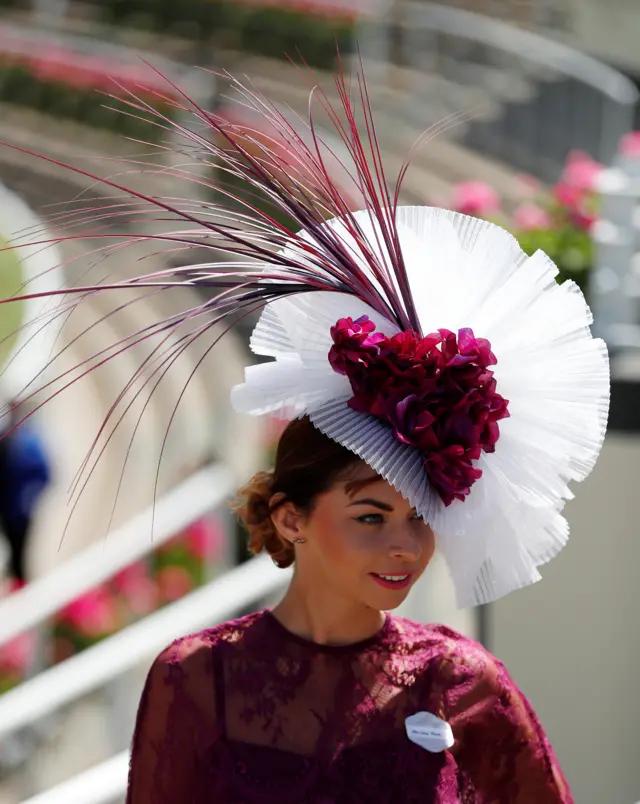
[(25, 473), (424, 361)]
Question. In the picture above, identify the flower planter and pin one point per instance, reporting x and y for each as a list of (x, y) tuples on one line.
[(262, 28), (557, 221), (172, 571), (73, 89)]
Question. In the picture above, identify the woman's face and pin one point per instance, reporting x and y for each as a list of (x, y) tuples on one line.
[(364, 540)]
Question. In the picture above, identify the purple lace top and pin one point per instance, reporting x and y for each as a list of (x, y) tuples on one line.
[(249, 712)]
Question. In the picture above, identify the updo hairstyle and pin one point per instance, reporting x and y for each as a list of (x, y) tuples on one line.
[(307, 464)]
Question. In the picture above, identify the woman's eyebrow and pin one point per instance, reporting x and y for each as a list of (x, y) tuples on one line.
[(375, 503)]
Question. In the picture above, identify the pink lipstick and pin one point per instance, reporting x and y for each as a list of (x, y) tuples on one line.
[(393, 581)]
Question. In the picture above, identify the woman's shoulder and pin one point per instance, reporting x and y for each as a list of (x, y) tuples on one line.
[(451, 653), (192, 654), (434, 635)]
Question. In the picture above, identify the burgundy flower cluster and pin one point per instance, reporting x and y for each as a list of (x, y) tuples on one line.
[(436, 392)]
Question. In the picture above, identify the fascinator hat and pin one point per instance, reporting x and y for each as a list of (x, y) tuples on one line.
[(479, 392), (423, 340)]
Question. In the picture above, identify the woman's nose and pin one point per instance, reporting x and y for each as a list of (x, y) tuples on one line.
[(405, 544)]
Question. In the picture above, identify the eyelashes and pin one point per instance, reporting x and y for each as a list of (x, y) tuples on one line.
[(370, 519), (378, 519)]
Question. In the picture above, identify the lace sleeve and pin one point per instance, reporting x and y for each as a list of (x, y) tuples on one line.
[(501, 747), (175, 723)]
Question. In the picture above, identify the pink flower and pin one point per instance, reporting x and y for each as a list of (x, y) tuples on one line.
[(347, 11), (17, 655), (436, 393), (130, 575), (142, 597), (578, 204), (206, 538), (352, 341), (527, 185), (582, 218), (86, 72), (475, 198), (93, 614), (136, 587), (630, 144), (568, 195), (581, 171), (174, 582), (10, 585), (529, 216)]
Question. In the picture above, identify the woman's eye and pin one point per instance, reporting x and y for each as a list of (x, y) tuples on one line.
[(370, 519), (417, 518)]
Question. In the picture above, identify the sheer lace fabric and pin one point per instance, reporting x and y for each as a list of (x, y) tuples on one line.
[(248, 712)]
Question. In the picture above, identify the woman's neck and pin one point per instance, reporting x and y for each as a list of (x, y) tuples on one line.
[(325, 618)]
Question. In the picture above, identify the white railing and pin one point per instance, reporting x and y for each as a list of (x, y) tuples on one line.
[(102, 784), (572, 100), (96, 666), (42, 271), (100, 664), (615, 287), (197, 496)]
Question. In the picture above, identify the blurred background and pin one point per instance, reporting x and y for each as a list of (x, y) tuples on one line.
[(540, 107)]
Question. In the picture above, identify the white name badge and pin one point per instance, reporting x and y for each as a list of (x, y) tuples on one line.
[(429, 732)]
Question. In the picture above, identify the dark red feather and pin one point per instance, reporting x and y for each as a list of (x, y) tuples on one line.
[(256, 258)]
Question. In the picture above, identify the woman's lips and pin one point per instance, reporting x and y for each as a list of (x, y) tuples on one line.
[(401, 581)]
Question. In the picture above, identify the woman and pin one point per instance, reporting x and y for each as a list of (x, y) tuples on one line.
[(444, 391), (403, 437), (310, 702)]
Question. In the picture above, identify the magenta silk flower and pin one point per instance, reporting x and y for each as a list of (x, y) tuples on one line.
[(436, 392)]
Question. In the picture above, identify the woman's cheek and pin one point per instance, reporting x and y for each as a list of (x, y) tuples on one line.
[(428, 547), (347, 542), (365, 540), (333, 540)]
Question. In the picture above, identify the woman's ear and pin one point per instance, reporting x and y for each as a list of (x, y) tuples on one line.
[(287, 519)]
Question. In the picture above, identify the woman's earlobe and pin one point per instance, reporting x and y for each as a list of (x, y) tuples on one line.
[(287, 521)]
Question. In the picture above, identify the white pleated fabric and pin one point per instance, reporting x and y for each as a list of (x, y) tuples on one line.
[(463, 272)]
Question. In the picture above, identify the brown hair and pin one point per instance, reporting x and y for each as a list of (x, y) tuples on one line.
[(307, 464)]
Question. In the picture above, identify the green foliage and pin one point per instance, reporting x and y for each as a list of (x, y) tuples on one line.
[(10, 313), (263, 30), (556, 220), (569, 247), (21, 85)]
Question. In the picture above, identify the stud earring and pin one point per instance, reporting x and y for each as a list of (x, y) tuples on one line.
[(299, 541)]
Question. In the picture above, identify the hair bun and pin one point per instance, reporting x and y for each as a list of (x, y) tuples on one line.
[(253, 507)]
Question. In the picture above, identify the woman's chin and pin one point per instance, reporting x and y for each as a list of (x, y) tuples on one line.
[(394, 605), (388, 600)]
